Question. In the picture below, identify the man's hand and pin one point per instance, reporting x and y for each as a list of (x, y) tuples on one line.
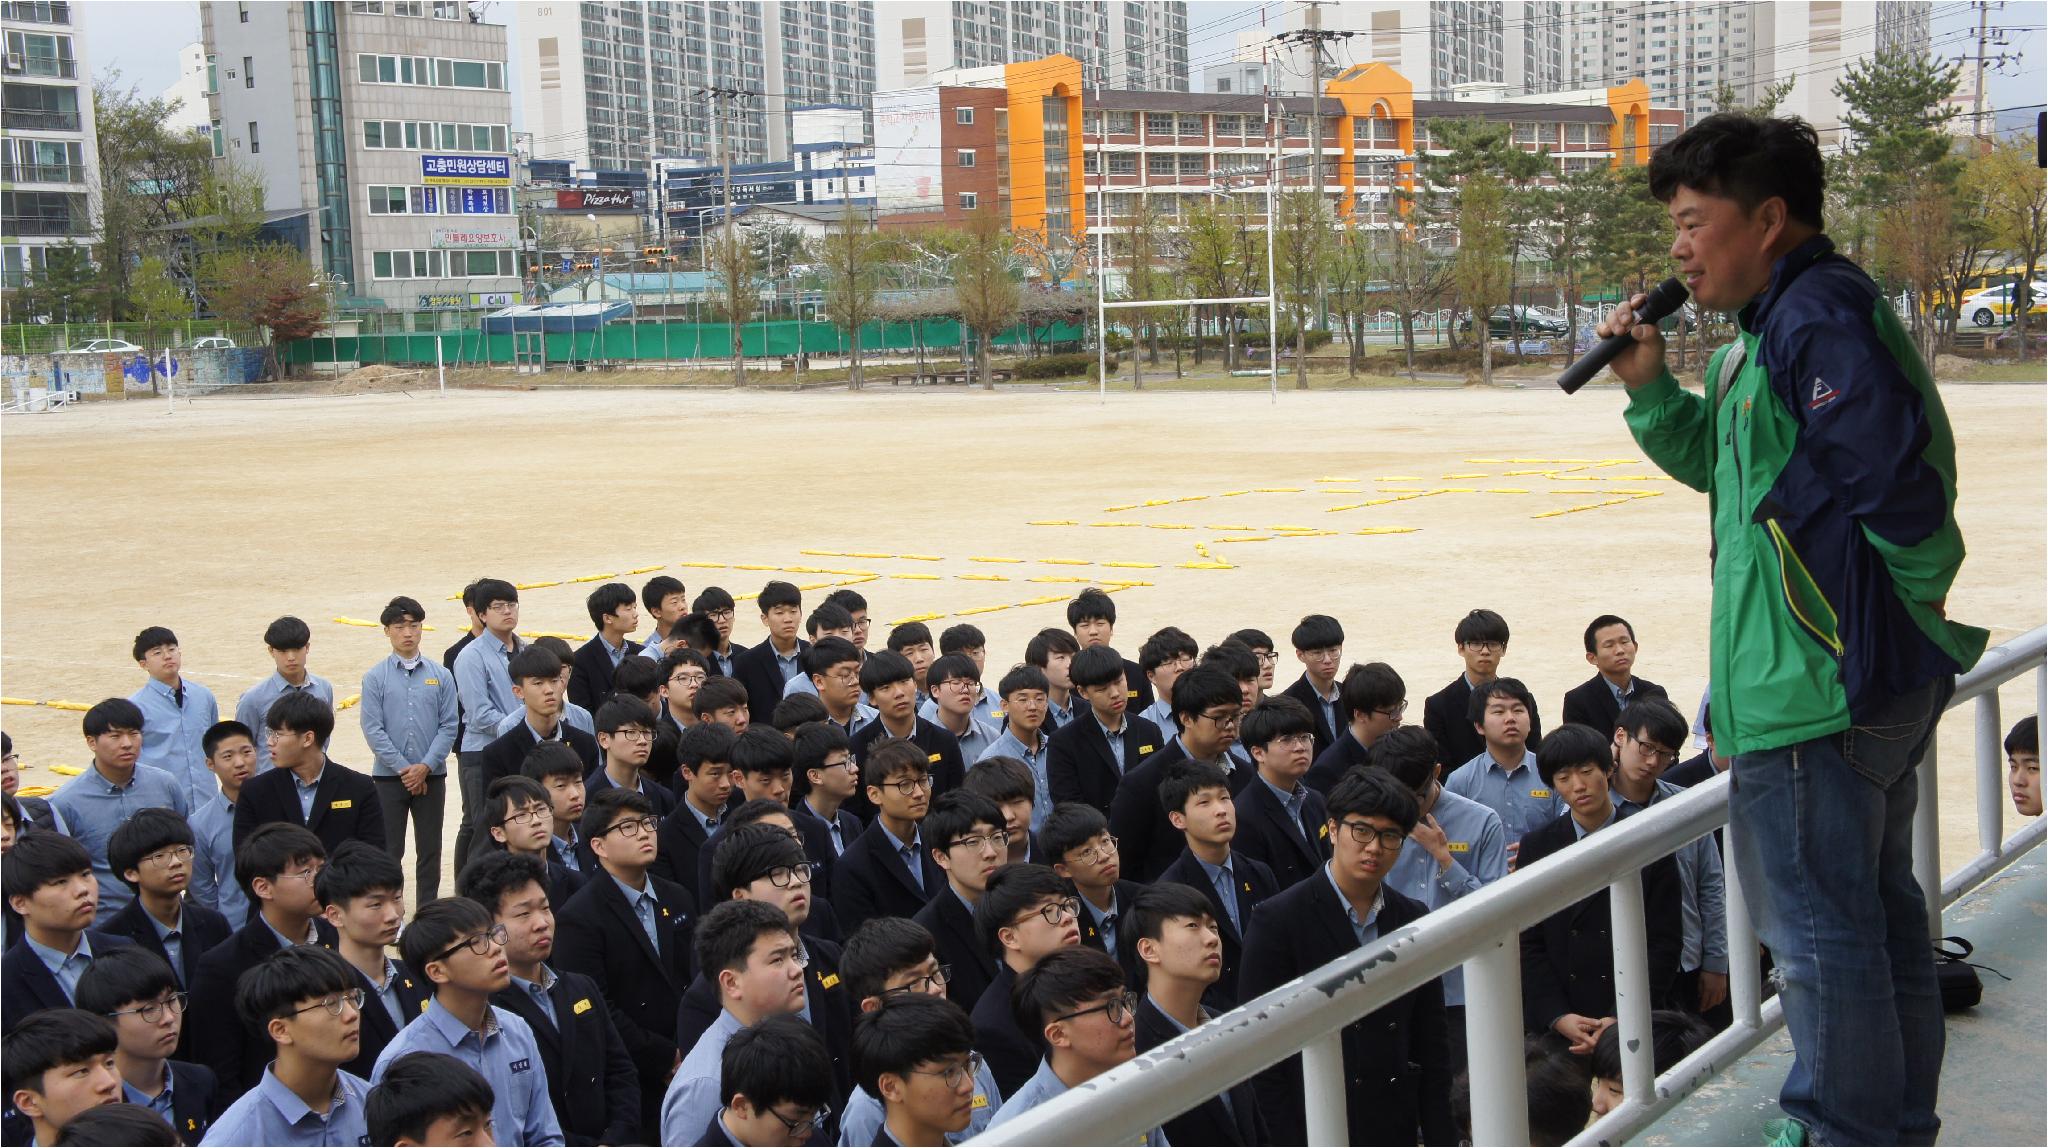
[(414, 778), (1641, 364), (1514, 851), (1581, 1031), (1428, 834), (1713, 990)]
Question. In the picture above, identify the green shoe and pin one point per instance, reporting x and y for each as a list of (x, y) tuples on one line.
[(1784, 1132)]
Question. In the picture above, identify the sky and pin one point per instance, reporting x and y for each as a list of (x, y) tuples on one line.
[(141, 40)]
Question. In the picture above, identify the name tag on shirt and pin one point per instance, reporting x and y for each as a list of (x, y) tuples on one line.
[(523, 1064), (980, 1100), (1144, 749), (582, 1006), (433, 681), (1131, 693), (1540, 794), (344, 803), (933, 759), (1459, 846), (1322, 831), (829, 980)]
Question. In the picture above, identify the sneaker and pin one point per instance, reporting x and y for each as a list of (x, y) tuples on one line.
[(1784, 1132)]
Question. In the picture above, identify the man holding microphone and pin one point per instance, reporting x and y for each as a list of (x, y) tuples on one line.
[(1830, 469)]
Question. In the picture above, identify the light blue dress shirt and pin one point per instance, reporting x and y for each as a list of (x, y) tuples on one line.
[(483, 680), (1366, 930), (908, 851), (1223, 878), (171, 734), (307, 791), (1115, 737), (864, 1115), (1045, 1085), (1007, 744), (833, 830), (271, 1114), (1518, 795), (646, 907), (408, 715), (503, 1053), (1106, 921), (693, 1096), (1057, 715), (1479, 857), (94, 807), (572, 715), (539, 992), (975, 743), (1160, 713), (1292, 803), (66, 967), (161, 1103), (255, 706), (172, 938), (1703, 899), (213, 861)]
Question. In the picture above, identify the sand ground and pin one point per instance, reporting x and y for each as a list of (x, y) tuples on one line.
[(235, 510)]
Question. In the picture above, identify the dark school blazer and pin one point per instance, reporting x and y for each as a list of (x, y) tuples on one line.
[(591, 1078), (345, 806)]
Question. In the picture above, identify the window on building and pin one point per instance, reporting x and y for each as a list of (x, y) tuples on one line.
[(367, 7), (248, 71), (387, 200), (1158, 164), (1191, 126), (242, 11), (1088, 165), (1123, 123), (1222, 85), (963, 115), (1123, 163), (1158, 123), (1193, 164), (414, 8), (964, 157), (969, 200), (255, 141)]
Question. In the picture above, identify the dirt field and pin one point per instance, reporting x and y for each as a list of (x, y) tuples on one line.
[(234, 511)]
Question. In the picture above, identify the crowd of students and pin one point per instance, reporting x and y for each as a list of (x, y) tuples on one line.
[(806, 892)]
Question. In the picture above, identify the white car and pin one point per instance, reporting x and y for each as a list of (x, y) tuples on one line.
[(213, 343), (1994, 305), (104, 347)]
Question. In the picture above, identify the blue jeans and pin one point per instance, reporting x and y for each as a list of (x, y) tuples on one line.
[(1824, 848)]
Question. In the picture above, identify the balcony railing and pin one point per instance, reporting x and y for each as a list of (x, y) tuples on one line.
[(43, 225), (42, 173), (29, 120), (60, 67)]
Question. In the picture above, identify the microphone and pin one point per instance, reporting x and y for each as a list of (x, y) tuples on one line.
[(1662, 301)]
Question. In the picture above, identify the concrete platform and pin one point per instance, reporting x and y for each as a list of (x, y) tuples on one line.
[(1993, 1073)]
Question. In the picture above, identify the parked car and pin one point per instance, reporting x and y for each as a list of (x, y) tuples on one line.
[(1995, 305), (1501, 324), (213, 343), (104, 347)]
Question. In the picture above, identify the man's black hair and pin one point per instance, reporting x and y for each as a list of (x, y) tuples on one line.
[(1155, 905), (1481, 626), (1012, 891), (439, 925), (621, 710), (793, 713), (885, 668), (606, 805), (1251, 639), (762, 750), (639, 679), (907, 1031), (880, 947), (151, 637), (1746, 158), (1202, 689), (268, 851), (960, 638), (116, 1125), (557, 646), (550, 759), (420, 1088), (288, 633), (1560, 1097), (698, 633), (145, 832), (609, 598), (1023, 677), (1070, 825), (1060, 983), (726, 935), (1184, 778), (889, 756), (220, 731), (1373, 792), (711, 599), (1317, 632), (1571, 745), (827, 615), (275, 986), (775, 594), (299, 711), (1601, 623), (828, 652), (1653, 719), (506, 795), (752, 810), (1475, 710), (706, 741), (954, 815), (949, 667), (1674, 1035), (1047, 642), (1001, 779), (357, 869), (747, 853), (1097, 665), (38, 859), (401, 609), (534, 663), (114, 713), (2024, 737), (1411, 754), (775, 1061), (1091, 605), (1231, 657), (905, 635), (848, 599), (1166, 645), (816, 741), (51, 1039), (487, 592), (1371, 686), (717, 693), (658, 587), (120, 978), (493, 875), (1275, 717)]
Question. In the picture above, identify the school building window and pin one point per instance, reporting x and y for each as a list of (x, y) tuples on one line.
[(969, 200)]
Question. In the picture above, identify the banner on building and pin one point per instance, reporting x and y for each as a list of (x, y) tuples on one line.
[(463, 301), (466, 170), (461, 238), (596, 199)]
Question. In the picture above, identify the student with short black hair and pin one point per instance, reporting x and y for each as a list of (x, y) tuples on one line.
[(305, 1003), (1241, 665), (474, 626), (887, 960), (1076, 1008), (459, 949), (118, 1125), (231, 756), (832, 670), (1504, 777), (35, 811), (890, 682), (625, 738), (1674, 1035), (827, 778), (1088, 757), (362, 894), (1083, 851), (1267, 654), (1010, 784), (1568, 958), (1164, 657), (2023, 765), (1052, 650), (767, 668), (48, 880), (1197, 802), (752, 954), (410, 720), (887, 871), (1181, 943), (152, 854), (59, 1063), (829, 621), (615, 613), (307, 787), (1281, 821), (957, 698), (703, 790), (136, 990), (288, 640), (1372, 702), (771, 1076), (745, 813), (591, 1081), (967, 640), (559, 772), (718, 608), (430, 1098), (519, 815), (763, 765), (1027, 913), (1397, 1069), (1481, 639), (536, 674), (483, 680), (1025, 696), (629, 929), (1206, 705), (723, 700), (856, 606), (113, 787), (966, 837), (176, 713), (1319, 646), (916, 1054), (1611, 650), (1092, 618), (665, 601), (913, 640), (278, 867)]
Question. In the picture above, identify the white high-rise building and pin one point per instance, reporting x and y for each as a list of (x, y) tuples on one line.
[(601, 79), (1129, 44), (1441, 44), (49, 149), (187, 97)]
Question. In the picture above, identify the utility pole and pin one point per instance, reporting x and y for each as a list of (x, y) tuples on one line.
[(1988, 37), (720, 97), (1313, 36)]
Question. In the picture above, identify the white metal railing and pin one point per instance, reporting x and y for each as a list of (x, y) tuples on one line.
[(1482, 933)]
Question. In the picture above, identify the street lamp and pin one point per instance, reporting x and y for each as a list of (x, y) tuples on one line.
[(597, 265)]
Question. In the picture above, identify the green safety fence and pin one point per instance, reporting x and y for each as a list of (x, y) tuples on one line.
[(654, 340)]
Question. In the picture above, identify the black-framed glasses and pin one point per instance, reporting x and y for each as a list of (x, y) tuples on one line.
[(933, 982), (1267, 658), (634, 733), (479, 944), (1395, 712), (633, 826), (1654, 753), (153, 1011), (979, 841), (1100, 851), (169, 854), (956, 1074), (1118, 1008), (785, 876), (687, 678), (1056, 911), (531, 816), (1365, 833), (333, 1002), (1487, 647), (909, 786), (803, 1126), (1223, 721), (719, 615)]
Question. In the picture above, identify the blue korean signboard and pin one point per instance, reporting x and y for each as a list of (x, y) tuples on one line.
[(466, 170)]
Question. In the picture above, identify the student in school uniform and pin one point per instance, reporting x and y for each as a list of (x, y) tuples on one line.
[(1182, 946), (1083, 852), (520, 819), (1371, 701), (832, 668), (1025, 693), (1027, 914), (559, 773), (766, 669), (916, 1054), (615, 612), (153, 853), (751, 950), (1611, 651), (716, 606), (59, 1064), (1198, 804), (956, 701), (966, 837), (1092, 618), (1281, 821), (1051, 651), (536, 683), (112, 788), (410, 721), (591, 1080), (828, 620), (1504, 776), (362, 894), (969, 642), (1083, 1016), (1319, 647), (48, 881), (483, 682), (771, 1076), (824, 764), (1482, 641), (231, 757), (1164, 657), (625, 737), (678, 676), (1397, 1059), (1206, 708), (665, 600), (630, 931), (1089, 756), (913, 640), (724, 701), (306, 1005), (763, 765), (176, 713), (1265, 652), (889, 680), (136, 990), (288, 641), (703, 790), (1008, 782), (430, 1098), (307, 787), (888, 871)]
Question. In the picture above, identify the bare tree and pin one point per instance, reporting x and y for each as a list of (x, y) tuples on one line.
[(985, 280)]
